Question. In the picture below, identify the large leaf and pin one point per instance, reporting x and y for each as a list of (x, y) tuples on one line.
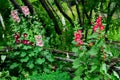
[(93, 50), (40, 61)]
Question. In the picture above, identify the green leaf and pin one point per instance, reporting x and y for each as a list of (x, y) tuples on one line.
[(76, 50), (93, 51), (76, 63), (40, 61), (23, 54), (24, 59), (77, 78), (30, 65), (3, 57), (16, 53), (50, 58), (93, 68), (94, 35), (116, 74), (104, 68), (14, 65)]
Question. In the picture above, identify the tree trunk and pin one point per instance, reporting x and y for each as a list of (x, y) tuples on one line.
[(51, 15)]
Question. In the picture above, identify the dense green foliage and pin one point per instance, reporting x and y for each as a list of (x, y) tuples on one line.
[(59, 40)]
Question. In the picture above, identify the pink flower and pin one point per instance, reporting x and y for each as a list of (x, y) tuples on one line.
[(15, 16), (101, 27), (78, 36), (39, 43), (17, 41), (25, 10), (25, 35), (98, 24)]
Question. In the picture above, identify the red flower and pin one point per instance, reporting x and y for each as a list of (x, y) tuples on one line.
[(25, 35), (78, 36), (16, 36), (98, 24), (101, 27), (25, 41), (17, 41)]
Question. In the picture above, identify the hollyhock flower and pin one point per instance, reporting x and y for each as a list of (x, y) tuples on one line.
[(98, 24), (95, 28), (17, 41), (15, 16), (38, 37), (25, 41), (16, 36), (25, 35), (78, 36), (25, 10), (39, 43), (101, 27)]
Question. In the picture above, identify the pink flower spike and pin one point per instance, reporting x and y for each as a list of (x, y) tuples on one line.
[(25, 10), (101, 27), (39, 43), (15, 16)]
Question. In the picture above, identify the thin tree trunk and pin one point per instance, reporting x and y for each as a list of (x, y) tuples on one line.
[(16, 5), (68, 4), (78, 13), (53, 9), (51, 15), (63, 13)]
